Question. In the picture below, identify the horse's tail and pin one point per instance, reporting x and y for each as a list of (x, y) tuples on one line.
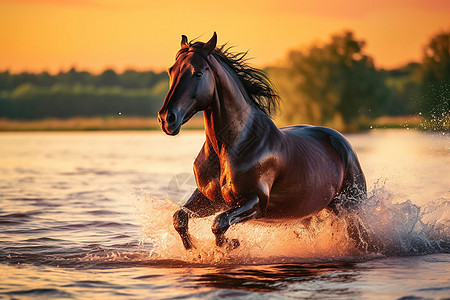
[(354, 189)]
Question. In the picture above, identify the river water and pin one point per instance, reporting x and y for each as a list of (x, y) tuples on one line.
[(88, 215)]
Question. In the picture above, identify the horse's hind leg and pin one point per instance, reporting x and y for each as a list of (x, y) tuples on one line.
[(347, 209), (351, 197), (360, 235), (197, 206), (353, 191)]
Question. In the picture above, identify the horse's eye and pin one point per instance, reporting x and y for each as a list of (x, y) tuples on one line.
[(198, 74)]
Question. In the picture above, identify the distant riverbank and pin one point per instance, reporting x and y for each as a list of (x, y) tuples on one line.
[(139, 123), (89, 124)]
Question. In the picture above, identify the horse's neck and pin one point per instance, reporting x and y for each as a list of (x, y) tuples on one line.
[(229, 113)]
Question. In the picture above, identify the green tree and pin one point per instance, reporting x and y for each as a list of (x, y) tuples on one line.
[(73, 77), (339, 81), (108, 78), (436, 78), (405, 85), (5, 81)]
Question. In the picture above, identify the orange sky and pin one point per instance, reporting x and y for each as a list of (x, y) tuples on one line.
[(55, 35)]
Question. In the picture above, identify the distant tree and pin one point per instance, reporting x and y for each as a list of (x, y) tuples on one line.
[(436, 76), (73, 77), (45, 79), (340, 79), (19, 79), (108, 78), (405, 85), (5, 81), (131, 79), (146, 79)]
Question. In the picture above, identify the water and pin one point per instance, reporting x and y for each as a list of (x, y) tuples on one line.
[(87, 215)]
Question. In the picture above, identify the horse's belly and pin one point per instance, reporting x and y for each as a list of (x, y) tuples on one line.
[(306, 186), (297, 202)]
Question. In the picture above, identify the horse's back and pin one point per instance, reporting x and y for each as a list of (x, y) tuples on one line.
[(326, 135), (312, 131)]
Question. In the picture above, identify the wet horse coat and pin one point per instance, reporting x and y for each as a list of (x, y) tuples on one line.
[(248, 167)]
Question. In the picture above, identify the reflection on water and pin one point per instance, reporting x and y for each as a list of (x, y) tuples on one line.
[(84, 215), (387, 278), (278, 277)]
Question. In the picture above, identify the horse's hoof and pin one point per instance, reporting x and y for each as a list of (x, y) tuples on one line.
[(234, 243), (187, 243), (220, 240), (188, 246)]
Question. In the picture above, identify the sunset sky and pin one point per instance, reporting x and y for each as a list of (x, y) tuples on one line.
[(54, 35)]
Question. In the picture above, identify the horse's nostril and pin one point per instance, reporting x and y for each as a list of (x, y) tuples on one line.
[(171, 117)]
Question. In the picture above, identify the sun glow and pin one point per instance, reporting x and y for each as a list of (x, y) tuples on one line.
[(94, 34)]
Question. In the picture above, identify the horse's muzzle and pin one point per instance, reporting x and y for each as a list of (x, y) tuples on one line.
[(169, 122)]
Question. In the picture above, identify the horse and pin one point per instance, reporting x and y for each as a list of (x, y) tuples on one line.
[(248, 168)]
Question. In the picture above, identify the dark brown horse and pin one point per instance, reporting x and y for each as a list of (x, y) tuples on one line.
[(248, 167)]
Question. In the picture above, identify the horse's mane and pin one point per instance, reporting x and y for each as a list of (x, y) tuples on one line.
[(260, 90)]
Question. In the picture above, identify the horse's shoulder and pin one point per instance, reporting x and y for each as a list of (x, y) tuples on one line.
[(207, 161)]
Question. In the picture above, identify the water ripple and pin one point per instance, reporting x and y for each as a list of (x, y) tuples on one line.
[(41, 293)]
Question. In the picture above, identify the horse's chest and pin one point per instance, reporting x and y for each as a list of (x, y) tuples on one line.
[(236, 182), (226, 183), (228, 193)]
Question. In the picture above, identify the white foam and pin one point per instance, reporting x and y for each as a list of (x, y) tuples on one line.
[(398, 228)]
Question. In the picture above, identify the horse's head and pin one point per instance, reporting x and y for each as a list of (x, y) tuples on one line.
[(192, 85)]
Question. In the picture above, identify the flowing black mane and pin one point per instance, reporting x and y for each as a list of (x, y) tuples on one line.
[(260, 90)]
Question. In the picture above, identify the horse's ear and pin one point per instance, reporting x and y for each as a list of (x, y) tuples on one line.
[(184, 41), (211, 44)]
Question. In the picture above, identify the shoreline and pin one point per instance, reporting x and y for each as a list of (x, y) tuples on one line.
[(141, 123), (89, 124)]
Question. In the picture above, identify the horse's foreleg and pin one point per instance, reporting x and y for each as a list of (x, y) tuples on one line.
[(246, 210), (180, 222), (197, 206)]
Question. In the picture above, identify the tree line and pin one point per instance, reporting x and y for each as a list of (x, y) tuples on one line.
[(80, 93), (334, 84)]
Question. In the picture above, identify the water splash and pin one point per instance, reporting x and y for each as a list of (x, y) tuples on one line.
[(438, 121), (438, 118), (403, 228), (395, 228)]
